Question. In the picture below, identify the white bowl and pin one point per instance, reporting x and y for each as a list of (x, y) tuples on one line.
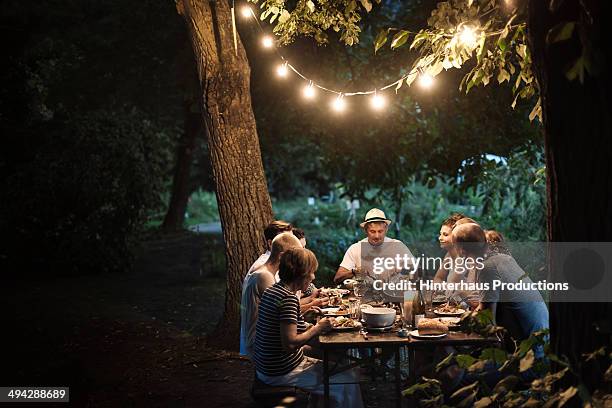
[(378, 316)]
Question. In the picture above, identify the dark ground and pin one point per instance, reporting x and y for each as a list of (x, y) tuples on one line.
[(129, 340)]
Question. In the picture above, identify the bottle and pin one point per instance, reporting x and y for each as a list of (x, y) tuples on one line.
[(418, 306)]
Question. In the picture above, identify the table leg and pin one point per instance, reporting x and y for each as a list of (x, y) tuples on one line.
[(398, 379), (326, 378), (412, 366)]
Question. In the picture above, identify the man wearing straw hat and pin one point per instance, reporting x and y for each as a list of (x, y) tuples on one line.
[(375, 226)]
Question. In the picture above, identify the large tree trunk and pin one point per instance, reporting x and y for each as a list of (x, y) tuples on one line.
[(578, 142), (242, 193)]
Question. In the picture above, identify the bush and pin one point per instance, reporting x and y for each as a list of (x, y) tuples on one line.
[(79, 198)]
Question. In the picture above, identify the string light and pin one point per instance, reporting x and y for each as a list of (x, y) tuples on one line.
[(426, 81), (467, 37), (267, 41), (309, 91), (339, 104), (377, 101), (246, 11), (282, 70)]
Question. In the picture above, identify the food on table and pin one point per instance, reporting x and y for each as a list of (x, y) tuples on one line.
[(431, 327), (333, 292), (450, 321), (345, 322), (448, 308)]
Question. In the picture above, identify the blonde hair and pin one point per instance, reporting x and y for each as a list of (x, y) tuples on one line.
[(281, 243)]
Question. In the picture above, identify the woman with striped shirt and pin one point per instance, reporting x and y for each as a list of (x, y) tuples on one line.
[(279, 358)]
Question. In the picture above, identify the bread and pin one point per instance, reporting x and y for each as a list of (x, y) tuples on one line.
[(431, 326)]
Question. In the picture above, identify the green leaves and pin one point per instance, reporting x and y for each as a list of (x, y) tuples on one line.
[(366, 5), (399, 39), (561, 32), (381, 39), (527, 361), (498, 356)]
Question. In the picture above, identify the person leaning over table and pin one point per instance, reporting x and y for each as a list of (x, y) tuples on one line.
[(255, 283), (375, 226), (521, 312), (279, 357)]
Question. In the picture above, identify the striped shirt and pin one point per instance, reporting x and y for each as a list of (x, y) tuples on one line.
[(277, 305)]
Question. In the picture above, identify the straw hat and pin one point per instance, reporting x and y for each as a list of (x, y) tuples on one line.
[(375, 215)]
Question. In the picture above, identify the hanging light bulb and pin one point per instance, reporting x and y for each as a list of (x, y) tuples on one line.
[(282, 70), (377, 102), (338, 104), (468, 37), (309, 91), (426, 81), (267, 41), (246, 11)]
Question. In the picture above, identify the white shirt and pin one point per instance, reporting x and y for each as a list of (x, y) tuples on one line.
[(263, 258), (255, 283), (352, 257)]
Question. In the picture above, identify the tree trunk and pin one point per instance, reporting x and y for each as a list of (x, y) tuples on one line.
[(175, 217), (578, 144), (241, 189)]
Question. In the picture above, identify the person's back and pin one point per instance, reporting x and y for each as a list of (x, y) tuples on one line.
[(249, 306), (525, 307), (277, 304)]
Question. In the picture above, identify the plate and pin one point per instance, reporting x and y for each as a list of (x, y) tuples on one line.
[(334, 292), (459, 312), (356, 326), (416, 335), (333, 311), (449, 320)]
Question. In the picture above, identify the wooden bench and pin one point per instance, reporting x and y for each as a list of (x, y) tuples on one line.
[(272, 396)]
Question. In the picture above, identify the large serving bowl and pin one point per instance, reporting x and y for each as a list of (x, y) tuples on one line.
[(378, 317)]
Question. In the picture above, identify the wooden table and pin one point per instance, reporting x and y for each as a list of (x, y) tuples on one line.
[(346, 340)]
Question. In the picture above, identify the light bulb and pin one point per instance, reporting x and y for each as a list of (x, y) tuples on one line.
[(246, 11), (426, 80), (309, 91), (338, 104), (267, 41), (377, 102), (468, 37), (282, 70)]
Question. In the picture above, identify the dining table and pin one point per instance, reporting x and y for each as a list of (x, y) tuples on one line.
[(340, 342)]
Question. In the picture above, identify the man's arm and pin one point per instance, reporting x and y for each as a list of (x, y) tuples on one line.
[(264, 281), (342, 274)]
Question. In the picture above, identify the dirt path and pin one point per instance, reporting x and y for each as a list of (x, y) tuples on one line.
[(134, 340)]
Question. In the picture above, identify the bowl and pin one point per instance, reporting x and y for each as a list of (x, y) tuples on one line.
[(349, 283), (378, 317)]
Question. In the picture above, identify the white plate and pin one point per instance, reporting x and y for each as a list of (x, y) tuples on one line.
[(333, 311), (416, 335), (459, 312), (449, 320)]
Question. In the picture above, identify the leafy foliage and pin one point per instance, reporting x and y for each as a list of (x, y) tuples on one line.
[(497, 378)]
